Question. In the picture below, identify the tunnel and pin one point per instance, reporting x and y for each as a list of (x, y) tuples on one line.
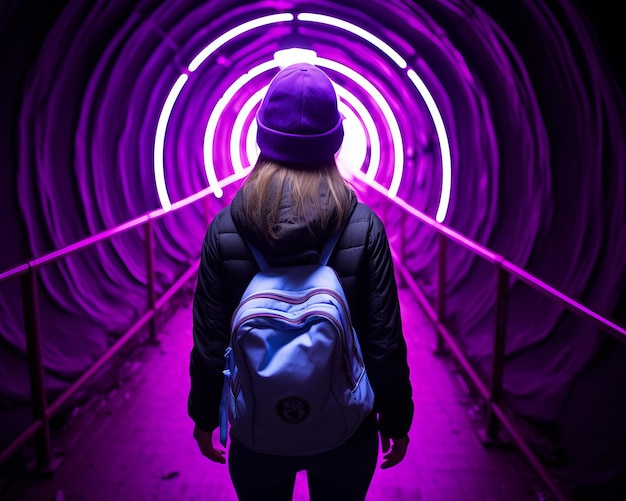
[(501, 122)]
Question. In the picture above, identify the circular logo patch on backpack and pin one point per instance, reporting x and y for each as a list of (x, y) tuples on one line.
[(293, 409)]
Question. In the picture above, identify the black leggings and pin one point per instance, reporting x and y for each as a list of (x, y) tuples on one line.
[(342, 474)]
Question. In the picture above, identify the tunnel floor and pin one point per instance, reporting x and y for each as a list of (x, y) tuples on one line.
[(135, 442)]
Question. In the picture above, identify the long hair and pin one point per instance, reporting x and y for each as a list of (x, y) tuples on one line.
[(319, 193)]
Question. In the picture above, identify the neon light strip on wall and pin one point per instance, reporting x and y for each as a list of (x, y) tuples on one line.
[(237, 132), (376, 96), (235, 32), (354, 148), (159, 141), (368, 122), (251, 148), (216, 113), (444, 146), (355, 30), (164, 116), (394, 129), (362, 118), (338, 23), (249, 105)]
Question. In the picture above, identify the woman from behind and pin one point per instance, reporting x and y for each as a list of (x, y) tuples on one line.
[(294, 199)]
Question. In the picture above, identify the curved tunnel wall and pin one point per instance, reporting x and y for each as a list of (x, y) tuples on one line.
[(534, 125)]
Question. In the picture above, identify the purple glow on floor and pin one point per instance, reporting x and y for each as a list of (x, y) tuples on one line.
[(536, 131)]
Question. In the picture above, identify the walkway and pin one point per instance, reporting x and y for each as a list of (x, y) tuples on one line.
[(136, 442)]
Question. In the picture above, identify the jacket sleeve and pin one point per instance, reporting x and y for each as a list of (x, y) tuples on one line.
[(210, 335), (384, 346)]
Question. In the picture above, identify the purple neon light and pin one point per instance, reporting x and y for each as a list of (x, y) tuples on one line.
[(356, 30), (214, 119), (530, 180), (349, 157), (352, 153), (159, 141), (387, 112), (235, 32), (164, 116), (299, 54)]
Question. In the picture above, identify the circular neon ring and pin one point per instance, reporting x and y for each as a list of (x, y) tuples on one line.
[(436, 117)]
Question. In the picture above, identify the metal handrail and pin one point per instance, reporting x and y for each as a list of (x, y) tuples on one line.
[(43, 412), (490, 394), (28, 272), (497, 415), (604, 323)]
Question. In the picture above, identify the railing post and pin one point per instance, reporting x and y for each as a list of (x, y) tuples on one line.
[(32, 327), (490, 435), (441, 290), (150, 274)]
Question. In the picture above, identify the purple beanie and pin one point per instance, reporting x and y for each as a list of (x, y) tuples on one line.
[(298, 121)]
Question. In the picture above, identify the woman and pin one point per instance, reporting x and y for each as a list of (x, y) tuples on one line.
[(292, 201)]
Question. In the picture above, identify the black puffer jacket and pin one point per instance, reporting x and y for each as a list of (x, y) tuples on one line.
[(363, 262)]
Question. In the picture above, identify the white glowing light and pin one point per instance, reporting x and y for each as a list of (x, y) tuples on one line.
[(368, 123), (281, 59), (287, 57), (394, 129), (159, 141), (216, 113), (237, 132), (356, 30), (444, 145), (252, 149), (354, 147), (235, 32), (353, 150), (444, 198)]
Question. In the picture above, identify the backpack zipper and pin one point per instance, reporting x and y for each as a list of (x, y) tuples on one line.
[(301, 319), (291, 300)]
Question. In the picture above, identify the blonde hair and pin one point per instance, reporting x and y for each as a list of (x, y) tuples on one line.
[(318, 192)]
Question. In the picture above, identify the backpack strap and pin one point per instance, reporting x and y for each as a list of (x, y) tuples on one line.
[(327, 250), (329, 246), (258, 255)]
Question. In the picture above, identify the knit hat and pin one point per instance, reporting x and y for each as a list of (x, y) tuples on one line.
[(298, 121)]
